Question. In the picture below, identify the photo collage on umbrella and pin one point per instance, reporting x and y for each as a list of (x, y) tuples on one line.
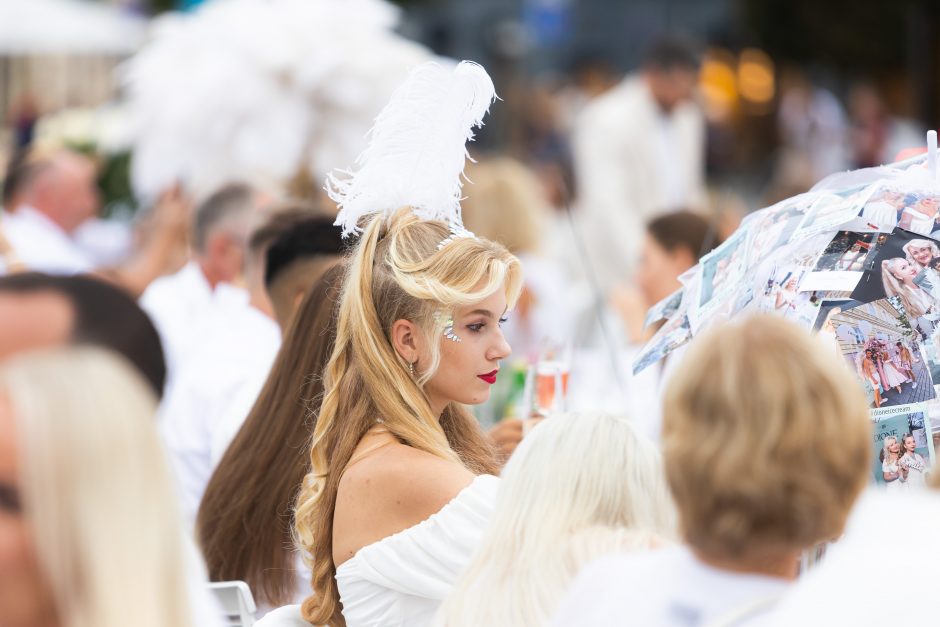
[(888, 207), (888, 333), (674, 333)]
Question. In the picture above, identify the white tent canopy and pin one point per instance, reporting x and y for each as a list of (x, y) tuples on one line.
[(29, 27)]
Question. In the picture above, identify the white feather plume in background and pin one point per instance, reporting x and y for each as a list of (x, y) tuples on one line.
[(417, 148), (261, 91)]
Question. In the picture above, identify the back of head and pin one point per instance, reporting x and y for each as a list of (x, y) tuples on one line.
[(766, 440), (244, 526), (296, 258), (227, 210), (20, 173), (104, 316), (403, 268), (672, 52), (576, 487), (684, 230), (506, 205), (96, 488), (670, 72)]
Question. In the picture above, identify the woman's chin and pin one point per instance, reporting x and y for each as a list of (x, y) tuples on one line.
[(477, 398)]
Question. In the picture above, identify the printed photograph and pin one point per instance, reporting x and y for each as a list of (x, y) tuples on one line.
[(848, 251), (883, 350), (664, 308), (915, 211), (883, 208), (670, 336), (904, 268), (902, 449), (841, 263), (722, 268), (782, 295)]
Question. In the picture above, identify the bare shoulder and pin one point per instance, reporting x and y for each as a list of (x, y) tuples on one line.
[(390, 490)]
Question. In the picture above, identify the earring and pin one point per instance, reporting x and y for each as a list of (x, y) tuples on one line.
[(411, 369)]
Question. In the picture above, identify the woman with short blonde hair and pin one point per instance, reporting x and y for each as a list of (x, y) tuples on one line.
[(743, 418), (88, 494), (579, 486)]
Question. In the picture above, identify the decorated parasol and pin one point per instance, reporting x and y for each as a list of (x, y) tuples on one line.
[(856, 260)]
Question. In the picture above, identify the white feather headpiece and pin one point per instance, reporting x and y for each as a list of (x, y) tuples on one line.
[(417, 148)]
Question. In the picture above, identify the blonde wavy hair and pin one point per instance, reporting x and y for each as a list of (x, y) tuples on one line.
[(578, 487), (97, 491), (914, 303), (398, 270), (920, 243), (742, 419)]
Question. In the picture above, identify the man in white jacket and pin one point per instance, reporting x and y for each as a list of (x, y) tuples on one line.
[(638, 153)]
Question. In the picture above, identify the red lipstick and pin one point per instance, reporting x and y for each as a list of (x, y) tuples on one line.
[(489, 377)]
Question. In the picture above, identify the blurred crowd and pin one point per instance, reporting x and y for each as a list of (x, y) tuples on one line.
[(161, 378)]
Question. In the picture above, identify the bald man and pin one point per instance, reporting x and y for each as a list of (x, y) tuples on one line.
[(46, 203)]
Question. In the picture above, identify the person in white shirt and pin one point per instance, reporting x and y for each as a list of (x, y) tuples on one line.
[(244, 526), (178, 303), (48, 201), (307, 247), (233, 349), (742, 420), (91, 531), (638, 153)]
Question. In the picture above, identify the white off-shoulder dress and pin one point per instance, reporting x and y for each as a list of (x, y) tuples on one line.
[(402, 579)]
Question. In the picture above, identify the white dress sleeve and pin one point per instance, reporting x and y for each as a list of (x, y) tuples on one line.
[(402, 579)]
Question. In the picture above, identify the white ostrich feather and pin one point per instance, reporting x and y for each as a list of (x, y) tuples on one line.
[(417, 147), (261, 90)]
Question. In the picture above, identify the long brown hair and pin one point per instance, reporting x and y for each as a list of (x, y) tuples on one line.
[(398, 270), (245, 520)]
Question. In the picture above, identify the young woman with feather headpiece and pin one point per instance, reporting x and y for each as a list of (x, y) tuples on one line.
[(401, 481)]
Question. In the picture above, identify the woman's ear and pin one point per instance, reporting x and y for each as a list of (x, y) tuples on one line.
[(405, 340)]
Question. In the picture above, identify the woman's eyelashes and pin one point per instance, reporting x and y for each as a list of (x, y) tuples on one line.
[(9, 499), (477, 327)]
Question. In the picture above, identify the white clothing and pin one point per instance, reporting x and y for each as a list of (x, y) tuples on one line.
[(41, 245), (287, 616), (878, 573), (107, 243), (237, 346), (664, 587), (919, 222), (633, 162), (401, 580), (881, 213), (892, 467), (893, 375), (178, 304), (917, 467), (236, 410)]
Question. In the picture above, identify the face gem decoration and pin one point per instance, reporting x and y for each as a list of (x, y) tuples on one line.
[(448, 326), (449, 331)]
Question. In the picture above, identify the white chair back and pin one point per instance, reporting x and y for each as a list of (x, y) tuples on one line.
[(236, 601)]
